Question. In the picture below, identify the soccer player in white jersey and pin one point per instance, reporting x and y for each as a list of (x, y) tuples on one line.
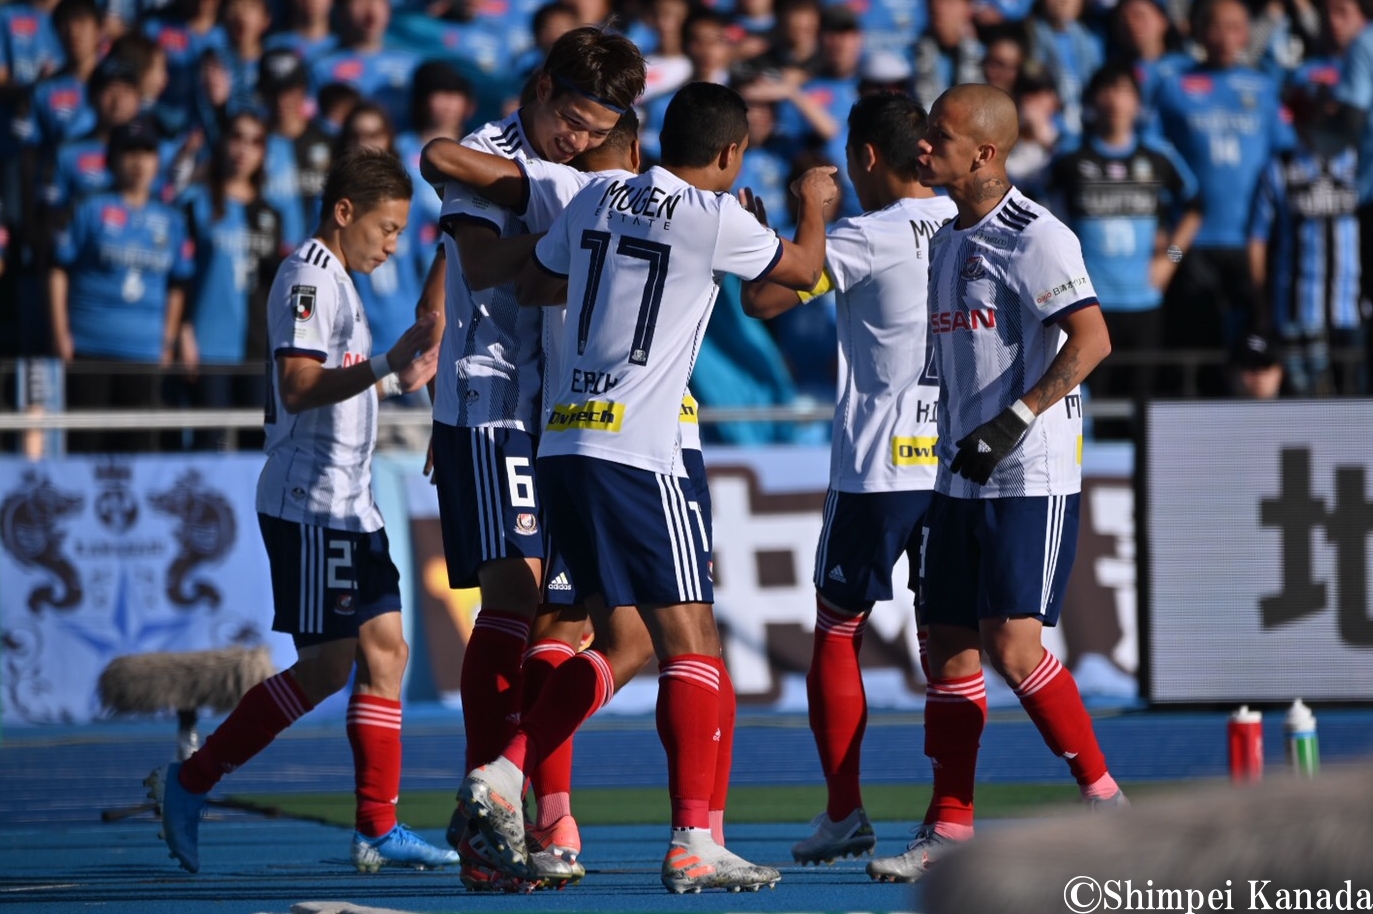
[(1016, 328), (538, 190), (643, 257), (882, 462), (487, 392), (334, 586)]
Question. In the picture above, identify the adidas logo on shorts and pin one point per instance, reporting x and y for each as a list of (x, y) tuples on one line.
[(560, 582), (837, 575)]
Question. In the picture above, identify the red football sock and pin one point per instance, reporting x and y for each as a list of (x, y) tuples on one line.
[(1049, 695), (838, 705), (576, 690), (264, 711), (490, 683), (955, 713), (374, 734), (688, 718), (551, 778), (724, 755)]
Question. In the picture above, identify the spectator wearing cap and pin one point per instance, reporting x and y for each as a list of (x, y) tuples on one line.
[(190, 31), (884, 71), (1304, 249), (311, 35), (1255, 369), (237, 240), (1070, 53), (115, 288), (298, 149), (948, 53), (1223, 119), (441, 102), (364, 62), (1143, 34)]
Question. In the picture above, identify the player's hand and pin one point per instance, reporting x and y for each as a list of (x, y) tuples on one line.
[(754, 204), (429, 463), (817, 185), (415, 356), (980, 452)]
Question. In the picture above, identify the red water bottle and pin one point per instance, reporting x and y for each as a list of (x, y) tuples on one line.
[(1246, 745)]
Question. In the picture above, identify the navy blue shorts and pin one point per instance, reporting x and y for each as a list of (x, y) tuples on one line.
[(327, 583), (637, 538), (488, 504), (864, 533), (994, 558)]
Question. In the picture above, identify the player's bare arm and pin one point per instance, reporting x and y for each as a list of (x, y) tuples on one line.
[(538, 288), (1087, 344), (489, 260), (497, 178), (803, 260), (306, 384)]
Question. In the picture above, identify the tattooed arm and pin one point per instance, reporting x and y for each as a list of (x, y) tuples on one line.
[(1087, 344)]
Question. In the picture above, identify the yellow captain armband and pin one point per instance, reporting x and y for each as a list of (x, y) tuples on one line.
[(824, 285)]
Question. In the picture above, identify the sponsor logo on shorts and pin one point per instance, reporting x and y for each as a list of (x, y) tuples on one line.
[(344, 605), (596, 415), (908, 451), (560, 582), (526, 524), (837, 575)]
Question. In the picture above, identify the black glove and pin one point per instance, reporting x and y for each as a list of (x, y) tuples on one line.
[(980, 452)]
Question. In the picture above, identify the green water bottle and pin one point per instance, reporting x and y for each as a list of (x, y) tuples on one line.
[(1303, 753)]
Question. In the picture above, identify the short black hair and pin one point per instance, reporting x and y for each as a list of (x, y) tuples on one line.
[(701, 121), (597, 64), (368, 177), (1110, 73), (893, 123), (71, 10)]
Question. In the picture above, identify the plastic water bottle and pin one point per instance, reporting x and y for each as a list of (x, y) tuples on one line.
[(1303, 753), (1246, 745)]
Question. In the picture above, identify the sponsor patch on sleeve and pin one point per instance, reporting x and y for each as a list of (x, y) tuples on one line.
[(1061, 289)]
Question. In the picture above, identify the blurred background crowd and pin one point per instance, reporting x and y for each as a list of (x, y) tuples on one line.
[(160, 158)]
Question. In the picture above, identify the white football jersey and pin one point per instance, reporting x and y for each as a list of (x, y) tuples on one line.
[(319, 461), (884, 417), (488, 372), (551, 187), (997, 291), (643, 256)]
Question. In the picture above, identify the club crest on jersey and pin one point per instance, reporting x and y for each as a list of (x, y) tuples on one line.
[(344, 605), (974, 267), (303, 302), (526, 524)]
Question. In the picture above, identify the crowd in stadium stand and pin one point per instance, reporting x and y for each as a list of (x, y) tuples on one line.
[(160, 158)]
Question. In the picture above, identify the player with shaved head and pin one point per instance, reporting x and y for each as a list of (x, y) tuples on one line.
[(1015, 327)]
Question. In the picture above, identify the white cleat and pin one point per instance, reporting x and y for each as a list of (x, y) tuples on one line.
[(851, 837), (694, 862), (921, 854)]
